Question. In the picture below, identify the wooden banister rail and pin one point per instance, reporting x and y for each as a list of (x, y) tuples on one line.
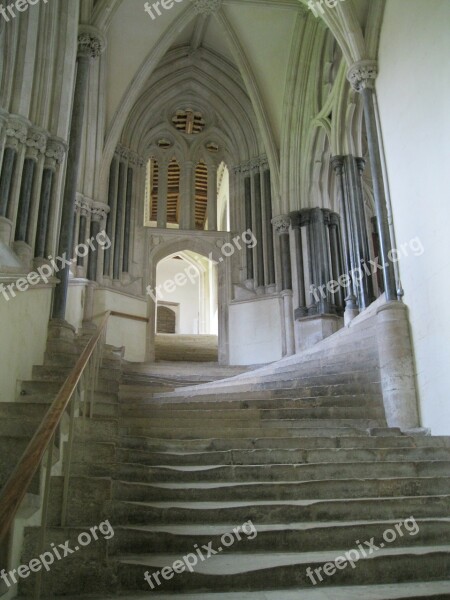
[(122, 315), (19, 482)]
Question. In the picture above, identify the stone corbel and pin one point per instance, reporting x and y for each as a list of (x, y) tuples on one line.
[(363, 74), (91, 42), (54, 153), (36, 142), (281, 224)]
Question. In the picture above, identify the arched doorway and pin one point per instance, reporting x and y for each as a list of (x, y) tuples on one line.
[(188, 275)]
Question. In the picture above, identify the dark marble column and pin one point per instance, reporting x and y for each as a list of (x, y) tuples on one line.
[(347, 239), (296, 224), (26, 189), (54, 155), (258, 227), (90, 46), (336, 259), (91, 273), (362, 77), (127, 225), (112, 200), (121, 194), (320, 248), (249, 224), (281, 225), (270, 259), (9, 161), (82, 229)]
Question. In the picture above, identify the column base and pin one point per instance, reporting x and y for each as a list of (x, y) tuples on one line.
[(397, 371), (314, 329), (61, 337), (25, 253)]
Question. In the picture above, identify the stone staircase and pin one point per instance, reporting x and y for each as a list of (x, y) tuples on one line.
[(295, 457)]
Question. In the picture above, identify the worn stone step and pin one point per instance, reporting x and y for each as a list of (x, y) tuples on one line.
[(281, 537), (280, 472), (153, 414), (264, 571), (251, 402), (395, 440), (281, 456), (60, 373), (181, 512), (340, 488), (307, 430)]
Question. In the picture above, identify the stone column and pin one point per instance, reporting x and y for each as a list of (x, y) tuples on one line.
[(320, 249), (362, 77), (97, 215), (187, 209), (112, 202), (353, 168), (83, 211), (127, 224), (163, 186), (256, 188), (212, 197), (336, 259), (249, 225), (118, 232), (90, 45), (351, 308), (54, 155), (296, 224), (281, 225), (270, 259), (15, 137)]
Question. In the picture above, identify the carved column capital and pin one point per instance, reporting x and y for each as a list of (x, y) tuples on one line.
[(54, 153), (83, 205), (91, 42), (362, 75), (337, 163), (36, 141), (99, 211), (206, 7), (281, 224), (16, 132)]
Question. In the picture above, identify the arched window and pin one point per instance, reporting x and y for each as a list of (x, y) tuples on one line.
[(173, 194), (201, 194)]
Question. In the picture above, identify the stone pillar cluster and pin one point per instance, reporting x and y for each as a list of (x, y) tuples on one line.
[(30, 162), (359, 292), (317, 237), (254, 179), (89, 221), (122, 179)]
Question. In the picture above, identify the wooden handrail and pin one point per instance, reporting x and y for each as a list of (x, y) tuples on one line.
[(122, 315), (18, 483)]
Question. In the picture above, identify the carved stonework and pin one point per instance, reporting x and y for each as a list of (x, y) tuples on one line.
[(91, 42), (35, 142), (99, 211), (135, 159), (362, 75), (54, 153), (337, 162), (206, 7), (281, 224), (123, 153), (83, 205), (16, 132)]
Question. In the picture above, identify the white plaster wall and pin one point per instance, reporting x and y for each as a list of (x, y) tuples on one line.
[(24, 321), (187, 296), (124, 332), (255, 331), (413, 91)]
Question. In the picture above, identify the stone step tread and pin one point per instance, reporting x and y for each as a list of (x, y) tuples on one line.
[(242, 562), (197, 485), (297, 466), (439, 590), (219, 529), (221, 505)]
